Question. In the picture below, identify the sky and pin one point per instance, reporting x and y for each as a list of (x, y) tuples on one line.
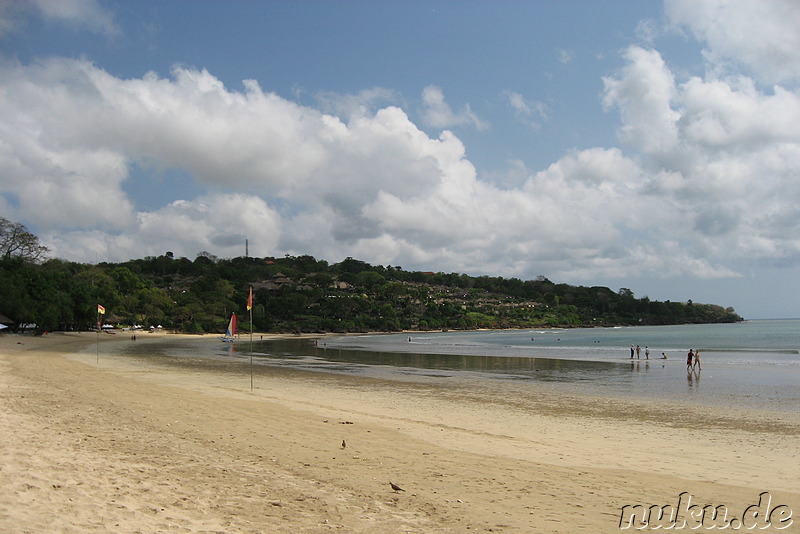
[(652, 146)]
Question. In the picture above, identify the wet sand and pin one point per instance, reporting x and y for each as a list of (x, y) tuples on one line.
[(93, 441)]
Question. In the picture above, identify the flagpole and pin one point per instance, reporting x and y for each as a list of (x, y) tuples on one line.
[(100, 311), (250, 308), (97, 325), (251, 350)]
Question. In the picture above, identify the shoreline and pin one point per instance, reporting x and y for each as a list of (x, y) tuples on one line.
[(540, 395), (144, 443)]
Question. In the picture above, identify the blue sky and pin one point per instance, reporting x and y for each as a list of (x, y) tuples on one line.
[(648, 145)]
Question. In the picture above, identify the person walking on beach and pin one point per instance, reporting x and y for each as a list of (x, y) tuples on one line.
[(632, 350), (697, 360), (646, 352), (689, 358), (638, 351)]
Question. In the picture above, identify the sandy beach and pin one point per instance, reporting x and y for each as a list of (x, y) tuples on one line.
[(96, 442)]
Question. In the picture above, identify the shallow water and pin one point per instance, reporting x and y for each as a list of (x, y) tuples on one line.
[(752, 365)]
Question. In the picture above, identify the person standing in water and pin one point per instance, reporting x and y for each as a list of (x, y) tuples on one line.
[(689, 358), (697, 360)]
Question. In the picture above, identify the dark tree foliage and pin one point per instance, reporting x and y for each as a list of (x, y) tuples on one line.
[(303, 294)]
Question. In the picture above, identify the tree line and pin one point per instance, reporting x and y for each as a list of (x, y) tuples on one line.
[(304, 294)]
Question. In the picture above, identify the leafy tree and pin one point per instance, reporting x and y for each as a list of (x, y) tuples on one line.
[(369, 279), (199, 295), (17, 241)]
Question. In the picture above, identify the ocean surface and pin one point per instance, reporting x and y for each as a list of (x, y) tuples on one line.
[(752, 364)]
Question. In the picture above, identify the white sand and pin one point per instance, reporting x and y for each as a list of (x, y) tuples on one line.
[(126, 445)]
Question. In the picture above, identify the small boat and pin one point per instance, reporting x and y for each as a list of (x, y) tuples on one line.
[(231, 331)]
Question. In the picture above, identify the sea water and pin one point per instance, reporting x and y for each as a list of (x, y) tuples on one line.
[(752, 364)]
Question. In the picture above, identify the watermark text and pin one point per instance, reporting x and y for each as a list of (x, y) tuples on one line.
[(685, 515)]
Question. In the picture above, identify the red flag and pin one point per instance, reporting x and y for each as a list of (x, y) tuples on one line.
[(250, 300)]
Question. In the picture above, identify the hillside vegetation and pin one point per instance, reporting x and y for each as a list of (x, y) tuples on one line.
[(303, 294)]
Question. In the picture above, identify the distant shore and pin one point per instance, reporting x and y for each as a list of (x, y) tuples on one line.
[(98, 442)]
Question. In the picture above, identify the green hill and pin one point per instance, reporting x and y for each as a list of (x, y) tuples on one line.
[(303, 294)]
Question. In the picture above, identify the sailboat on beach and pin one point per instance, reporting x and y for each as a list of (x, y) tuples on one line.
[(231, 331)]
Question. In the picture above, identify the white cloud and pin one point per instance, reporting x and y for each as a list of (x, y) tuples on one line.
[(439, 114), (376, 186), (54, 177), (734, 114), (644, 93), (73, 129), (215, 223), (720, 154), (759, 35), (526, 110), (648, 30)]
